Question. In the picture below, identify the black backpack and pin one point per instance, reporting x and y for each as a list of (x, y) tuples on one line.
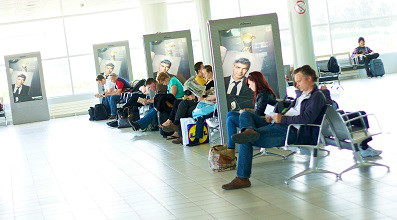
[(97, 113), (333, 65)]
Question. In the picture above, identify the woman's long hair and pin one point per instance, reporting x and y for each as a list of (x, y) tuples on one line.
[(260, 84)]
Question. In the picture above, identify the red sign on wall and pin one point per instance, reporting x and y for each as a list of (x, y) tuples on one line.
[(300, 7)]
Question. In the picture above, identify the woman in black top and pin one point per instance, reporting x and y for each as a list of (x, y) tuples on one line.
[(263, 95)]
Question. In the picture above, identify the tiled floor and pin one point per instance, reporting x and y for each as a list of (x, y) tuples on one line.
[(71, 168)]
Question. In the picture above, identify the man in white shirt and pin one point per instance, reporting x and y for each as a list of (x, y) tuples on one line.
[(108, 88)]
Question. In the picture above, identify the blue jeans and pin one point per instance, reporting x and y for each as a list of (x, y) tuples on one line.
[(272, 135), (106, 103), (150, 117), (113, 100), (200, 125), (251, 121), (232, 123)]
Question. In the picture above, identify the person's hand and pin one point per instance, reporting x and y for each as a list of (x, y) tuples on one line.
[(242, 110), (97, 95), (277, 118), (268, 119)]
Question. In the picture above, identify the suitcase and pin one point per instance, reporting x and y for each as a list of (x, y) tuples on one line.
[(377, 68)]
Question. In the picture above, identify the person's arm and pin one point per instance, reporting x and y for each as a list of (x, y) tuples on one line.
[(174, 90), (369, 50), (310, 113)]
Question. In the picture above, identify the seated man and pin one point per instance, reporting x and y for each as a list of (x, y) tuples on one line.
[(366, 53), (108, 87), (120, 86), (306, 109), (142, 98), (174, 89)]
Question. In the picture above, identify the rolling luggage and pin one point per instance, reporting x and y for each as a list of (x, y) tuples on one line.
[(377, 68)]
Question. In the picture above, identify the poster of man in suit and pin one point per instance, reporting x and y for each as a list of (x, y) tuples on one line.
[(25, 80), (244, 50), (170, 56)]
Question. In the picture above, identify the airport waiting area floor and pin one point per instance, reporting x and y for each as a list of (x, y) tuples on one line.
[(71, 168)]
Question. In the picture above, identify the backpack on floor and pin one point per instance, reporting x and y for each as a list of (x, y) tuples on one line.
[(97, 113), (219, 162), (377, 68)]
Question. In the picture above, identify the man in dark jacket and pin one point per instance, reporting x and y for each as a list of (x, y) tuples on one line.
[(308, 108)]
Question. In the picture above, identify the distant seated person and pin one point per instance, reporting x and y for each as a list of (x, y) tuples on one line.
[(199, 68), (306, 109), (120, 86), (363, 55), (108, 88), (144, 97), (174, 87), (21, 91)]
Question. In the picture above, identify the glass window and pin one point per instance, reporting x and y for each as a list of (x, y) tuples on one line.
[(224, 9), (318, 12), (197, 51), (321, 41), (85, 30), (348, 10), (380, 35), (138, 63), (46, 36), (255, 7), (83, 74), (183, 16), (57, 77), (286, 47), (4, 84)]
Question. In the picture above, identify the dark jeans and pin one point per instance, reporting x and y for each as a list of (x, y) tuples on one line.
[(185, 109), (271, 135), (113, 100), (174, 109), (105, 102), (134, 105), (367, 59), (200, 125)]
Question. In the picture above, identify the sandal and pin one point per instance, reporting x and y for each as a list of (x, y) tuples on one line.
[(172, 137)]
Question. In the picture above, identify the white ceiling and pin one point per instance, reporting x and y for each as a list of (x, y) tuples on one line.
[(21, 10), (18, 10)]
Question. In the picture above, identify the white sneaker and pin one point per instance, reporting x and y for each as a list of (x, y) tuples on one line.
[(370, 152)]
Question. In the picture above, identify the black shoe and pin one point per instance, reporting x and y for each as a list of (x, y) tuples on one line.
[(135, 126), (195, 142)]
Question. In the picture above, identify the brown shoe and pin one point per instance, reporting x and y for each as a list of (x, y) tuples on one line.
[(170, 128), (237, 183), (177, 141), (249, 135)]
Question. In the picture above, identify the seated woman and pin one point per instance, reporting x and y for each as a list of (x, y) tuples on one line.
[(264, 95), (366, 53), (174, 87)]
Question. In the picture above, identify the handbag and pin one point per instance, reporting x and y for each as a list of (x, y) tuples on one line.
[(203, 108), (123, 118), (219, 162), (188, 127)]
